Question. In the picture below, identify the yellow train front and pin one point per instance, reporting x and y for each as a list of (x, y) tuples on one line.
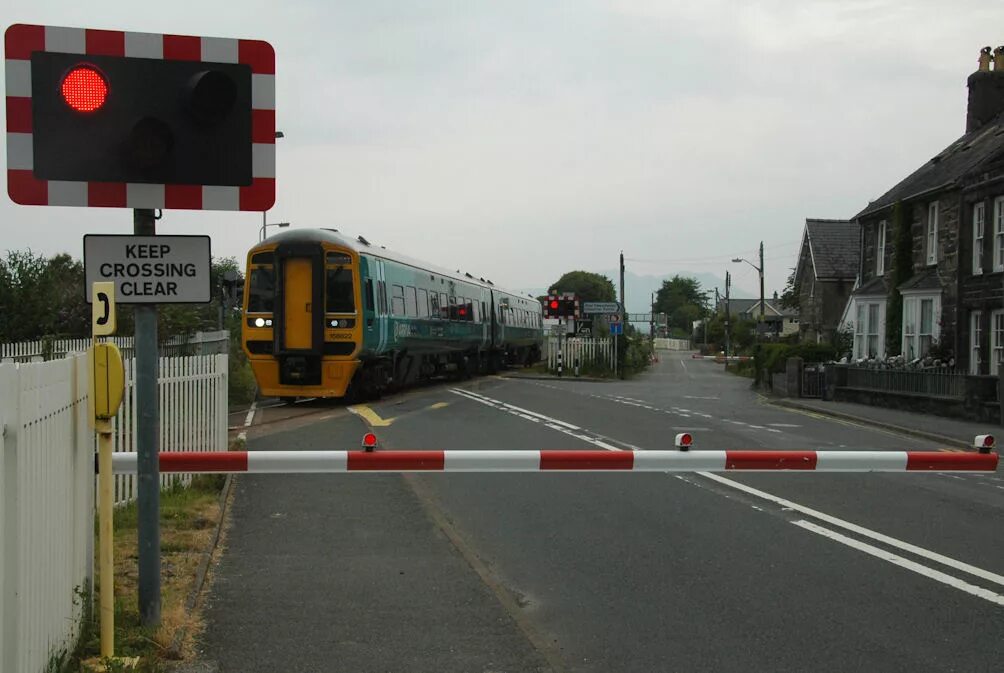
[(301, 330), (326, 315)]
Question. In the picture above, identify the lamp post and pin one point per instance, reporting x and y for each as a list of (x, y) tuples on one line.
[(760, 271), (281, 225), (261, 234)]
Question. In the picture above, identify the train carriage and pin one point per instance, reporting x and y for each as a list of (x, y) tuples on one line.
[(327, 316)]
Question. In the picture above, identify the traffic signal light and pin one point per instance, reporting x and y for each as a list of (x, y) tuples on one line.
[(557, 306), (110, 118)]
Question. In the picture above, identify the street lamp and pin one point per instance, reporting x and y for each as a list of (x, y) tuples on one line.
[(281, 225), (760, 271), (261, 236)]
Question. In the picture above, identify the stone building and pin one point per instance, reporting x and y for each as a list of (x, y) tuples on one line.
[(824, 276)]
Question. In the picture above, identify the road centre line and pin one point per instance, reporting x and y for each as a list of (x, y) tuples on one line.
[(788, 505), (902, 562)]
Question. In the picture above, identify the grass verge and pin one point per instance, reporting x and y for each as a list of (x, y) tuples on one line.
[(189, 517)]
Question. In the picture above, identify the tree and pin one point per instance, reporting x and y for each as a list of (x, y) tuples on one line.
[(683, 301), (791, 297), (588, 286), (42, 297), (902, 269)]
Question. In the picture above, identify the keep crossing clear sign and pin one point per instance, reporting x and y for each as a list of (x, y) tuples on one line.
[(150, 269)]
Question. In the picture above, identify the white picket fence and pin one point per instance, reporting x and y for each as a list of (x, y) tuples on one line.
[(587, 350), (198, 343), (47, 488), (672, 344)]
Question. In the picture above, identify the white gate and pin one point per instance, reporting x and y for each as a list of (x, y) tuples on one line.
[(586, 350)]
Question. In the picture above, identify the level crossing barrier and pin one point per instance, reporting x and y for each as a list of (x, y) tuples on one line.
[(285, 462)]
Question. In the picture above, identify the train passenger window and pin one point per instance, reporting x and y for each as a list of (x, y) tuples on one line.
[(382, 297), (444, 310), (262, 290), (369, 294), (452, 312), (410, 302), (474, 311), (397, 299), (339, 292), (423, 303), (433, 305)]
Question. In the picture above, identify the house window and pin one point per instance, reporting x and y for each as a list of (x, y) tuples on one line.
[(978, 219), (920, 325), (869, 329), (932, 232), (880, 250), (999, 233), (997, 324), (975, 342)]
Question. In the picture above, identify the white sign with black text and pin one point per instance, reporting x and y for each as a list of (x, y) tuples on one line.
[(150, 269)]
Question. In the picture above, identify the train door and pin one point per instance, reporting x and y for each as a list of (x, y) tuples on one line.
[(298, 303)]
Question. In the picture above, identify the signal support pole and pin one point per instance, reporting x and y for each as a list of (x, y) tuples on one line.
[(147, 433)]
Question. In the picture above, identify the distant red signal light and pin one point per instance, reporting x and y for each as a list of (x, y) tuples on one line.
[(84, 89), (554, 304)]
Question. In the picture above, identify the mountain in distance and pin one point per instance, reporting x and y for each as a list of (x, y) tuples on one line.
[(639, 288)]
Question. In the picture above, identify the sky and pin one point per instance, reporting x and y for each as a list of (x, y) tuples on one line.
[(519, 139)]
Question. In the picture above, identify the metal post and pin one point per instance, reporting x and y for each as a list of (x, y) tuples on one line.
[(147, 433), (106, 559), (728, 315), (761, 284)]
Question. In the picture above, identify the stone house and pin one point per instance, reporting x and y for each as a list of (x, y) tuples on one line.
[(931, 275), (824, 276)]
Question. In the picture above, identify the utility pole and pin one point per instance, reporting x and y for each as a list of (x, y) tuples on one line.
[(623, 310), (651, 320), (728, 313), (761, 285)]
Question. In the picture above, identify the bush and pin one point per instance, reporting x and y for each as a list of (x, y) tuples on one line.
[(772, 357), (242, 386)]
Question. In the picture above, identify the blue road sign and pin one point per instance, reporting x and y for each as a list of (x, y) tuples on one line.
[(616, 328)]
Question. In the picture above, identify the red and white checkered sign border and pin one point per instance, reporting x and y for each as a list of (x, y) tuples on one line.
[(21, 40)]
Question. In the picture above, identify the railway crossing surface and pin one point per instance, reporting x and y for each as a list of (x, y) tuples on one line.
[(604, 571)]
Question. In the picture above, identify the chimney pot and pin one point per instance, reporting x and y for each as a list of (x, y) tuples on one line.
[(998, 59), (985, 59)]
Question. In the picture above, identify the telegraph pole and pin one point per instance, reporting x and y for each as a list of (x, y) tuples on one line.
[(728, 312), (761, 285)]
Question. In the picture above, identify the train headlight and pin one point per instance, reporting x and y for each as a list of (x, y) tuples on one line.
[(334, 323), (268, 322), (259, 322)]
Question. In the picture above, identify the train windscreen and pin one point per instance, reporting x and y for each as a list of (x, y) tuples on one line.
[(261, 297), (340, 297)]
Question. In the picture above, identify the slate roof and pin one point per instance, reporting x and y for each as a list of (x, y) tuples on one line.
[(925, 280), (949, 167), (834, 246), (876, 286)]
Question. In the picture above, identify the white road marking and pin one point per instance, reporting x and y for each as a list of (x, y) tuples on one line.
[(248, 420), (698, 397), (783, 425), (898, 560), (859, 530)]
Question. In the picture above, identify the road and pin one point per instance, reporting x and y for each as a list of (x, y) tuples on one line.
[(605, 572)]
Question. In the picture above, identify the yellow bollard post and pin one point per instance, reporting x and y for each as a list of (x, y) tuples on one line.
[(107, 387)]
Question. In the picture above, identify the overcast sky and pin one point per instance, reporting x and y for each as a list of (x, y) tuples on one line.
[(519, 140)]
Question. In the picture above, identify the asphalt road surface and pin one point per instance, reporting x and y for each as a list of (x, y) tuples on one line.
[(604, 572)]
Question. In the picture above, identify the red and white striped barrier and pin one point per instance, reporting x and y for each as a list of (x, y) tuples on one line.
[(549, 460)]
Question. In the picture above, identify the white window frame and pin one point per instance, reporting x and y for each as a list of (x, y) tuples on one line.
[(932, 233), (880, 249), (999, 233), (975, 341), (914, 334), (979, 227), (867, 330), (997, 341)]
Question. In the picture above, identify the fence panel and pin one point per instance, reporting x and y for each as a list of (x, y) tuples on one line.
[(46, 517), (935, 383), (193, 413), (199, 343), (588, 351)]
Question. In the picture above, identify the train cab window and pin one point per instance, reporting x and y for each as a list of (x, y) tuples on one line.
[(368, 298), (423, 303), (263, 258), (339, 292), (397, 299), (410, 302), (262, 289), (382, 297), (338, 258)]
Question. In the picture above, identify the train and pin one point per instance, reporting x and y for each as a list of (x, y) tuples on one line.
[(327, 315)]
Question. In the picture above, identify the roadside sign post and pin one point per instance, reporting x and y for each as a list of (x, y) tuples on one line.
[(616, 329), (107, 385), (145, 121)]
